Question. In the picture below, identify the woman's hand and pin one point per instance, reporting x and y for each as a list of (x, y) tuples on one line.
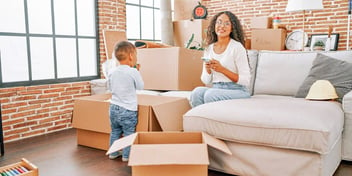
[(216, 66), (208, 67)]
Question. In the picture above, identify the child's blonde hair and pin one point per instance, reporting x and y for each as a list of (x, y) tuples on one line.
[(123, 49)]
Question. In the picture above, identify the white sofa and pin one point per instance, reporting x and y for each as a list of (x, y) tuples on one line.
[(273, 133)]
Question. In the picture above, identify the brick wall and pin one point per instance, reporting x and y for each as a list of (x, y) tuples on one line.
[(36, 110), (334, 13)]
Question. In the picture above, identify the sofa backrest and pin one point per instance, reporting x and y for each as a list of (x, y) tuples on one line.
[(283, 72)]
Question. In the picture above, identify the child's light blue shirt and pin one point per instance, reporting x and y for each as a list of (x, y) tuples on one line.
[(123, 82)]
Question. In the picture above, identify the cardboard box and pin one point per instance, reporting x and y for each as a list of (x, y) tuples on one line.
[(184, 29), (183, 9), (261, 22), (111, 37), (174, 68), (31, 169), (155, 113), (169, 153), (268, 39)]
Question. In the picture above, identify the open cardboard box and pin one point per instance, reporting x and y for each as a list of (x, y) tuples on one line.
[(169, 153), (155, 113), (173, 68)]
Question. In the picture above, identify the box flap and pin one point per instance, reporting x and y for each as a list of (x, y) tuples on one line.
[(170, 114), (172, 137), (111, 37), (97, 97), (122, 143), (168, 110), (152, 100), (167, 154), (216, 143)]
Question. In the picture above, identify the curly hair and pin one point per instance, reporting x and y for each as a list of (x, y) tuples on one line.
[(236, 34)]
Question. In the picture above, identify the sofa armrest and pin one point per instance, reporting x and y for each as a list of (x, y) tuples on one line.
[(347, 102), (347, 131)]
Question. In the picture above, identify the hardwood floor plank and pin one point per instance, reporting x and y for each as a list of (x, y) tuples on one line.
[(57, 154)]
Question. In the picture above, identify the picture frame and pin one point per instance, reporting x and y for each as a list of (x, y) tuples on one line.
[(334, 40)]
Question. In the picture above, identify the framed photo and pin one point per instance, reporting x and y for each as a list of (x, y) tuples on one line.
[(334, 40)]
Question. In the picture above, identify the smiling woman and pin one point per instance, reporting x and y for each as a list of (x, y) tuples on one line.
[(228, 69)]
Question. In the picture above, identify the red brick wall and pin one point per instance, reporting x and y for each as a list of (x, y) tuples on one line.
[(36, 110), (334, 13)]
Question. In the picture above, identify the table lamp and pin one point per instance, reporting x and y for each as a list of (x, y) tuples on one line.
[(304, 5)]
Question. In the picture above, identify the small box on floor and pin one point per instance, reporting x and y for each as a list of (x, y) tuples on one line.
[(169, 153), (23, 168)]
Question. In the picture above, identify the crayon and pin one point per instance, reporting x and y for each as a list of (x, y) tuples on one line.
[(24, 169), (15, 171), (19, 170), (12, 173), (8, 173)]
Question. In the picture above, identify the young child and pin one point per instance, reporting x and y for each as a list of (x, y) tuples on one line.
[(123, 82)]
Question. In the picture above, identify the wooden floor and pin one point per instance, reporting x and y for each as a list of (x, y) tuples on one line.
[(58, 154)]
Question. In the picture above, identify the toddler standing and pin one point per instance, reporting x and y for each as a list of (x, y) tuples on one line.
[(123, 82)]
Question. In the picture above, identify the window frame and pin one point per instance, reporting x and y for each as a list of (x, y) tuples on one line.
[(54, 36), (140, 6)]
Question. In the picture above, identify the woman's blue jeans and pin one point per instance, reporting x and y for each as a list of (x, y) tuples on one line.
[(219, 91), (122, 121)]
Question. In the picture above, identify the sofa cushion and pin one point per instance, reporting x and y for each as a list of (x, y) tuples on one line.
[(282, 72), (277, 121), (338, 72)]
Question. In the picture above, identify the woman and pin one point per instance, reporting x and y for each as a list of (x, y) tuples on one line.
[(228, 70)]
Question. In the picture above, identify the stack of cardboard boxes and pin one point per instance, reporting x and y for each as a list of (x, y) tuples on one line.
[(264, 37)]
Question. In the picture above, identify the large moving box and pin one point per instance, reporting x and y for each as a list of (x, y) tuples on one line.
[(169, 153), (155, 113), (172, 68), (184, 29), (268, 39)]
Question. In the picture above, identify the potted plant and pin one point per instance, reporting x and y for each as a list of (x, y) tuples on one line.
[(318, 45)]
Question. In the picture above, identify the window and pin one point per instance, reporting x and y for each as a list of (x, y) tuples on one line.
[(143, 20), (48, 41)]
